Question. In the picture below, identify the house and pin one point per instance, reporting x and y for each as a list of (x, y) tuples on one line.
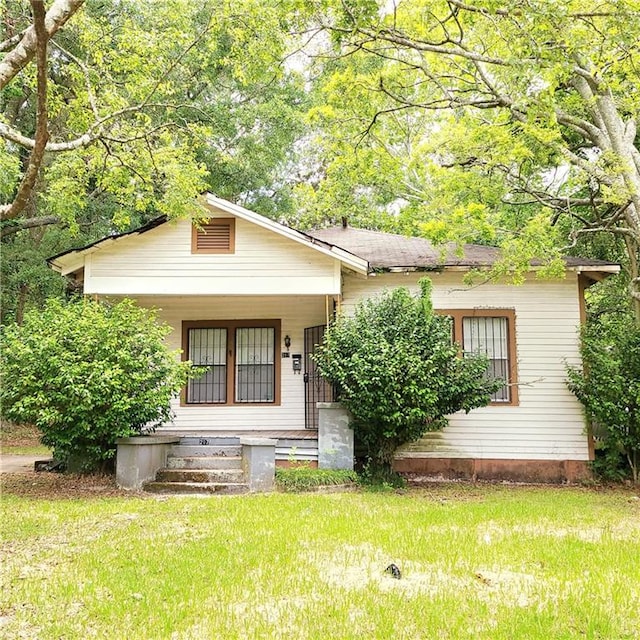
[(249, 298)]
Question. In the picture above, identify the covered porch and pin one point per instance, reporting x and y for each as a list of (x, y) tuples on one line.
[(260, 377)]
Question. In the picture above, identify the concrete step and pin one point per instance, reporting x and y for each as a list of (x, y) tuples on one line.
[(195, 488), (192, 450), (213, 476), (204, 462)]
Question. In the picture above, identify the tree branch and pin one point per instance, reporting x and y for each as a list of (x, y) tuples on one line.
[(583, 127), (469, 8), (11, 42), (87, 78), (13, 226), (399, 39), (621, 231), (94, 133), (23, 53)]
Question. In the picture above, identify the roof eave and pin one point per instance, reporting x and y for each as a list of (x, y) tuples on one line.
[(74, 258), (598, 272), (356, 263), (604, 268)]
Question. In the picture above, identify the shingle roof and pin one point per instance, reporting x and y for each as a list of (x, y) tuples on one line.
[(388, 250), (381, 250)]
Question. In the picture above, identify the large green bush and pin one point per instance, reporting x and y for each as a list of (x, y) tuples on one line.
[(86, 373), (608, 385), (399, 373)]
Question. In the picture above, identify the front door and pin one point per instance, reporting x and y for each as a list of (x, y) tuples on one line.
[(317, 389)]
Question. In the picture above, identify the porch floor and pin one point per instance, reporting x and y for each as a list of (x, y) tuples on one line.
[(283, 434)]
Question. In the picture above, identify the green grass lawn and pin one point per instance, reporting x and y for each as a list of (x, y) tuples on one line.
[(477, 562)]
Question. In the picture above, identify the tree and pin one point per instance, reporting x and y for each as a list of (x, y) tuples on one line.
[(87, 373), (398, 372), (608, 385), (515, 125), (141, 104)]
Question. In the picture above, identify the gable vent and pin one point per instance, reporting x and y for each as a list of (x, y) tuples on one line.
[(214, 236)]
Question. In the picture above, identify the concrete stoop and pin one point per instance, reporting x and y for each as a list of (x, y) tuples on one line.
[(201, 488), (212, 468)]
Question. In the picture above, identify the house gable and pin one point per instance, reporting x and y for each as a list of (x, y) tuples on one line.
[(257, 256), (161, 262)]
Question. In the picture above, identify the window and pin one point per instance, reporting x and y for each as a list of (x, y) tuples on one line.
[(216, 235), (490, 332), (240, 361), (255, 355)]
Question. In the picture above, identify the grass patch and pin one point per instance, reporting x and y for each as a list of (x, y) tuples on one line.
[(17, 450), (484, 562), (302, 478)]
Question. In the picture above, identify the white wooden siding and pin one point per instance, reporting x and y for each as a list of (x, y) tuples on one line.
[(160, 262), (548, 424), (295, 314)]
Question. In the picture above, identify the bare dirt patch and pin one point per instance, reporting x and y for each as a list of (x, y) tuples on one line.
[(52, 486)]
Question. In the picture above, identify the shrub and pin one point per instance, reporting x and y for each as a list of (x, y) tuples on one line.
[(86, 373), (608, 386), (609, 463), (399, 373)]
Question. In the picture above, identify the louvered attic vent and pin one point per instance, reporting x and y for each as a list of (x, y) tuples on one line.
[(216, 235)]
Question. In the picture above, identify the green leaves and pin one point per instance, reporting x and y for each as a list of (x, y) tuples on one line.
[(143, 95), (398, 371), (87, 373), (609, 384), (473, 122)]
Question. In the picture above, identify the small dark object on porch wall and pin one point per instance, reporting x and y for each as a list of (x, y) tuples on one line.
[(394, 571)]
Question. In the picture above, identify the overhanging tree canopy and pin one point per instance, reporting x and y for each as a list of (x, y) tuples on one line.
[(544, 96), (144, 104)]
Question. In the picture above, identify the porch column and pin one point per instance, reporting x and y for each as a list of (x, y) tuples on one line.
[(335, 437), (139, 458), (259, 463)]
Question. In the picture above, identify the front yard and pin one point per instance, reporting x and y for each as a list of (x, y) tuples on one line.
[(477, 561), (21, 440)]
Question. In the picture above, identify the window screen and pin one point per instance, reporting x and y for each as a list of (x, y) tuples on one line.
[(255, 366), (489, 336), (208, 348)]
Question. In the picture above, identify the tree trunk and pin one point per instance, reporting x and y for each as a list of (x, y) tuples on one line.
[(23, 53), (22, 301), (634, 277), (380, 461)]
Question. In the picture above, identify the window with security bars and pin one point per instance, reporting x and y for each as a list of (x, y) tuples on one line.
[(208, 348), (239, 358), (489, 336), (491, 332), (255, 364)]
